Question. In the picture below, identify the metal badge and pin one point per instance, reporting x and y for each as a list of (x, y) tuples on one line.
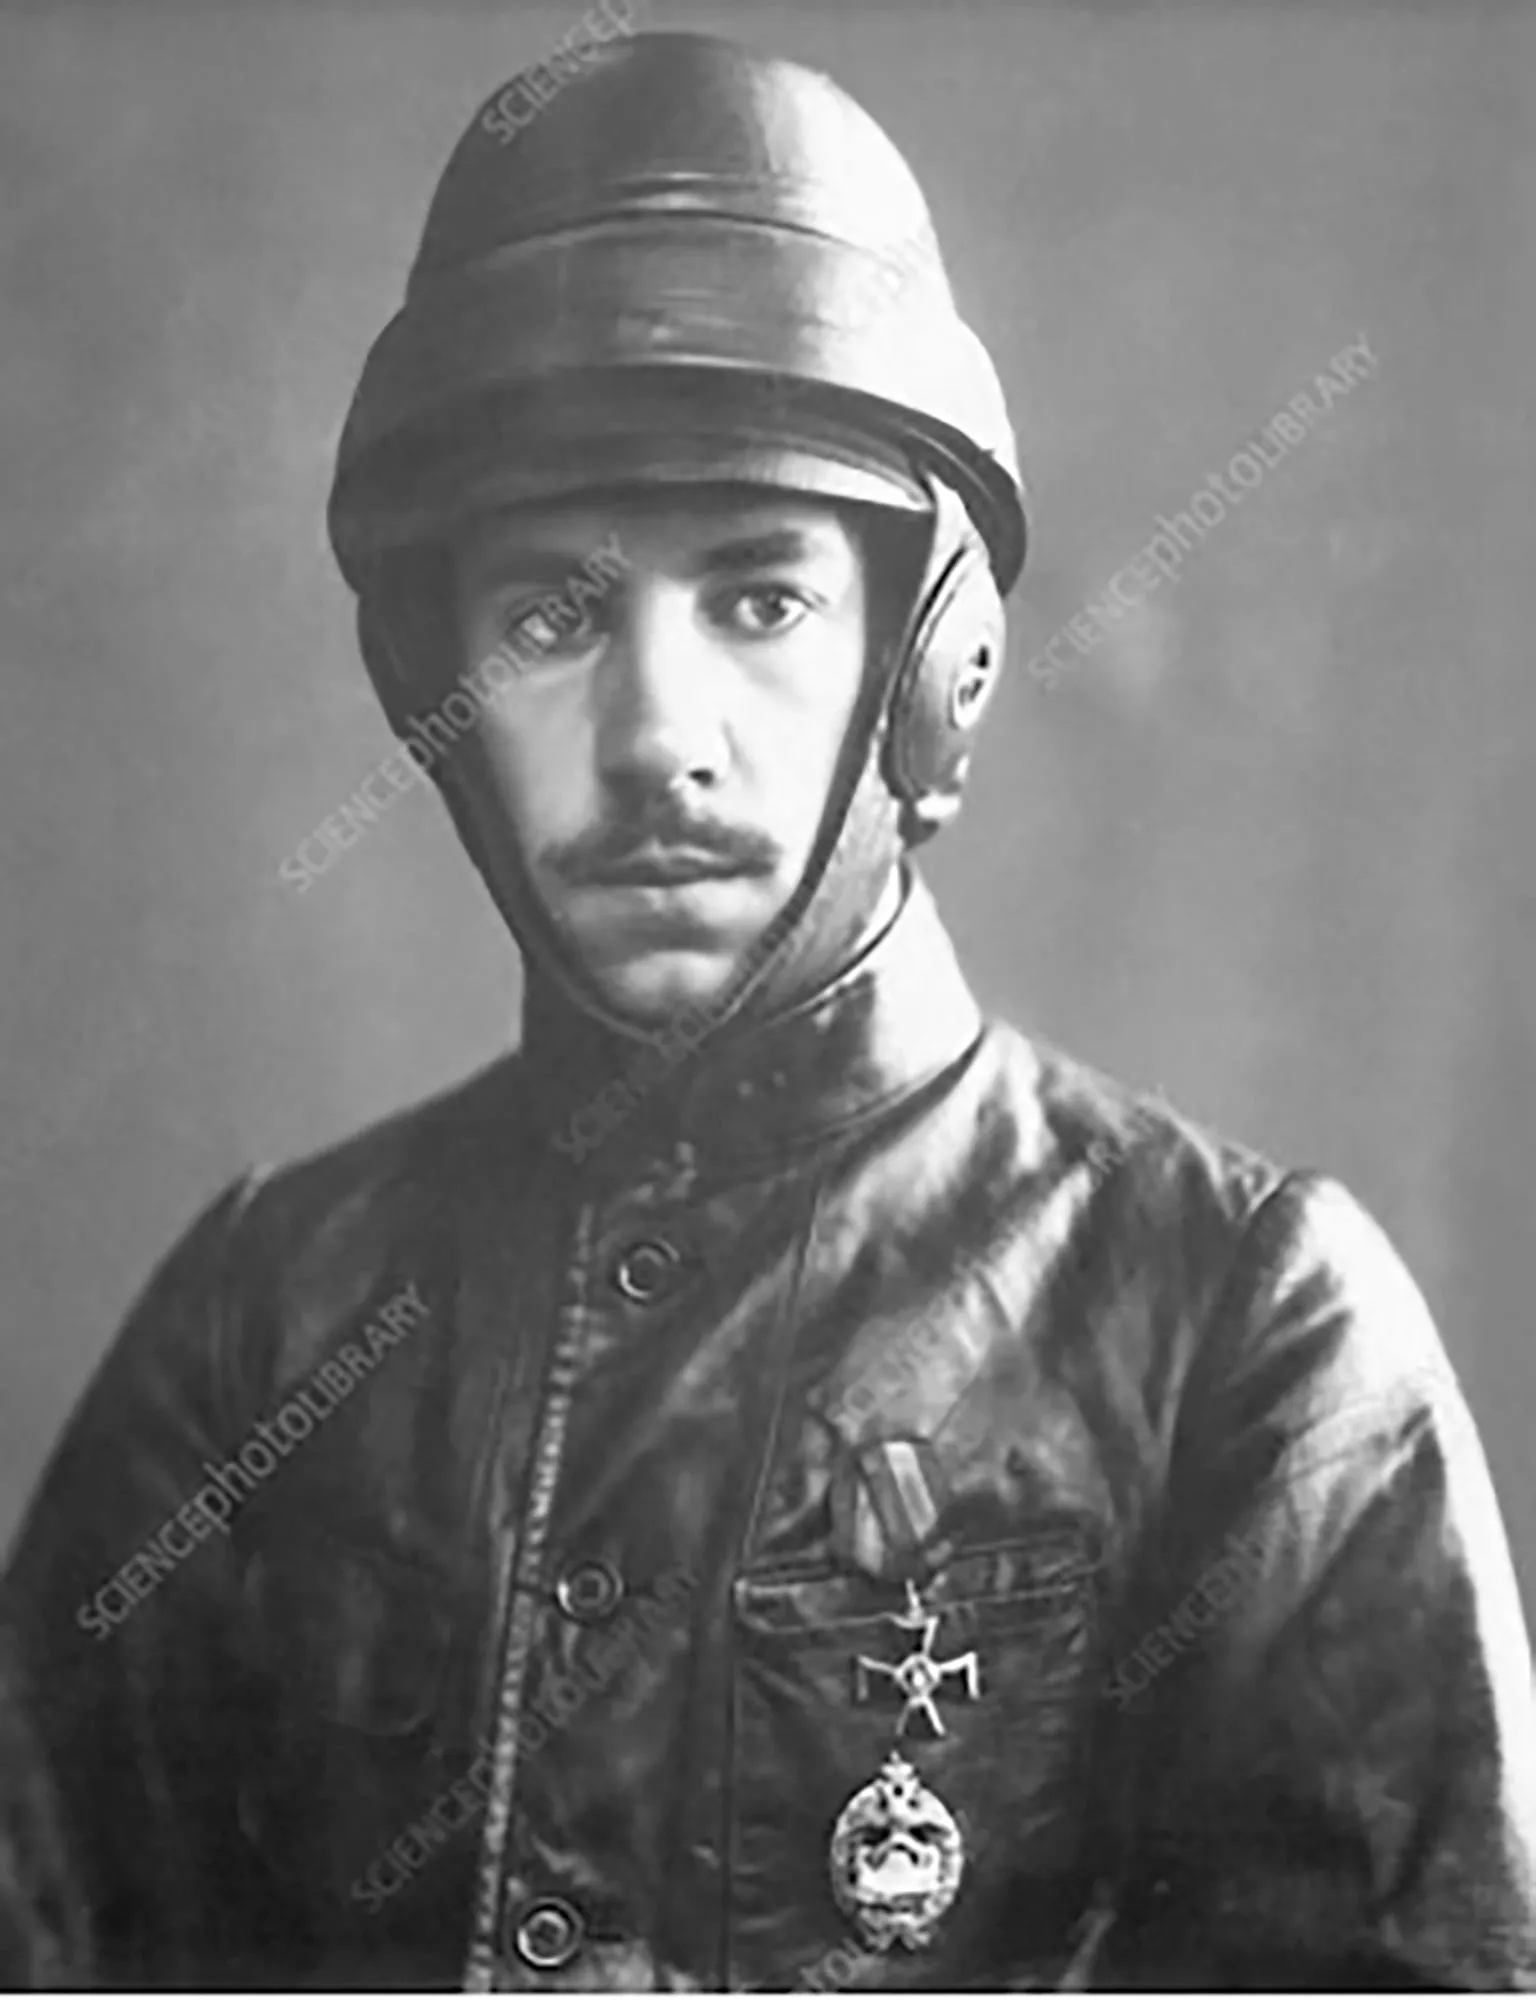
[(920, 1678), (896, 1859), (897, 1852)]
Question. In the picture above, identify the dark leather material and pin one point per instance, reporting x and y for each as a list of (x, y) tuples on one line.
[(690, 209), (44, 1940), (1254, 1702)]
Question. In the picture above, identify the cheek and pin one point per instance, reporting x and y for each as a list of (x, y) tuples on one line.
[(802, 735), (532, 772)]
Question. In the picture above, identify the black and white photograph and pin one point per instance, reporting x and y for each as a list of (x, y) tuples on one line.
[(768, 782)]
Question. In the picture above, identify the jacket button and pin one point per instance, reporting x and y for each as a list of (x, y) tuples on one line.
[(645, 1270), (547, 1934), (589, 1591)]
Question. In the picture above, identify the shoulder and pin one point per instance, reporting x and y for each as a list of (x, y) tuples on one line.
[(1268, 1268), (291, 1255), (399, 1162), (1119, 1147)]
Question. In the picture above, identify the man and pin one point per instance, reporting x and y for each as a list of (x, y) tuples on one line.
[(814, 1489)]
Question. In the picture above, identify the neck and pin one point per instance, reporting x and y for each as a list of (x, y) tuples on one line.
[(580, 1053), (895, 1008)]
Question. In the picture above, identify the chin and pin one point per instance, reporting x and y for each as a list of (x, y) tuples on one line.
[(654, 957), (663, 985)]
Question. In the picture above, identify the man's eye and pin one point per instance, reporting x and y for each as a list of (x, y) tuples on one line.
[(765, 609), (536, 632)]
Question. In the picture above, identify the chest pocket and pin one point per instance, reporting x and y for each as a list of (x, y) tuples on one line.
[(812, 1726)]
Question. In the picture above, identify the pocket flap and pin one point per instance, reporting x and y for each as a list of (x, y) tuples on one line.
[(1009, 1580)]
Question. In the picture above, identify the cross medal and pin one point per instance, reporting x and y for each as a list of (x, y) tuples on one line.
[(920, 1677), (897, 1854)]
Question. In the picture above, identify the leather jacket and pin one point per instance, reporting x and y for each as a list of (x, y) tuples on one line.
[(533, 1660)]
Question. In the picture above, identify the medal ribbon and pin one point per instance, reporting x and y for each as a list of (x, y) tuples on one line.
[(888, 1501)]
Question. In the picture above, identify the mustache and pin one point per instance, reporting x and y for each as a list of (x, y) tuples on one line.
[(664, 829)]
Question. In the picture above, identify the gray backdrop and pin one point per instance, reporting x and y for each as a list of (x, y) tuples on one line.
[(1268, 846)]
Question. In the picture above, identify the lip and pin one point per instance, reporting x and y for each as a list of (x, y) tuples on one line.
[(670, 869)]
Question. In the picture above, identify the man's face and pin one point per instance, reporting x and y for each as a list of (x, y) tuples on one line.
[(662, 761)]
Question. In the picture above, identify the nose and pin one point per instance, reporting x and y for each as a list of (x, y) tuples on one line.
[(661, 687)]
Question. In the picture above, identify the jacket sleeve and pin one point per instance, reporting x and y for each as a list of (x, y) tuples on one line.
[(1326, 1700), (43, 1935), (124, 1604)]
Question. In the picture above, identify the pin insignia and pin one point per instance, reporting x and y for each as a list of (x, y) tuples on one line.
[(896, 1859), (920, 1678)]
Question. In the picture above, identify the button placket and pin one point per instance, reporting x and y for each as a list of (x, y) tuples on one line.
[(495, 1922)]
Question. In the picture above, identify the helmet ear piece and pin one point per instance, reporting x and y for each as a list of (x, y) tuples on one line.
[(952, 657)]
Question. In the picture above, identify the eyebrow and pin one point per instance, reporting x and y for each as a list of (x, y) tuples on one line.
[(769, 548), (513, 562)]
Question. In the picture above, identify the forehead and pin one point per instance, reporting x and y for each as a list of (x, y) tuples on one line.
[(705, 531)]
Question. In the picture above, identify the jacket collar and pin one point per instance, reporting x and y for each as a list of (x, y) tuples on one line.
[(898, 1015)]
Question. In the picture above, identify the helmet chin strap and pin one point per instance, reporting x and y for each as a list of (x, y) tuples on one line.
[(844, 895)]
